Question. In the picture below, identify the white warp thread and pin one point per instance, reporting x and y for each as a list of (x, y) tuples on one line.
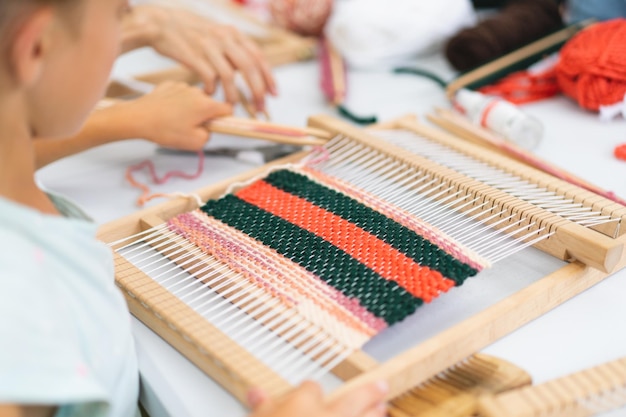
[(376, 33)]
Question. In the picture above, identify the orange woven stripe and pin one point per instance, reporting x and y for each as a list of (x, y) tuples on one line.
[(419, 280)]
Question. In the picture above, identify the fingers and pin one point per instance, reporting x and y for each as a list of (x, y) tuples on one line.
[(206, 72), (229, 51), (251, 62), (261, 62), (251, 74), (308, 401), (176, 115), (198, 138), (366, 401), (256, 398), (215, 53), (378, 411), (218, 109), (311, 390), (225, 73)]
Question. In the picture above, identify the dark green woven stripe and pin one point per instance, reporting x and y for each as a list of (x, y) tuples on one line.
[(416, 247), (383, 298)]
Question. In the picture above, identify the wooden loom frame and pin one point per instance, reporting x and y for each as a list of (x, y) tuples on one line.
[(222, 359)]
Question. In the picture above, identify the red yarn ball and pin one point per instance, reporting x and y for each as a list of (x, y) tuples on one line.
[(620, 152), (592, 65), (307, 17)]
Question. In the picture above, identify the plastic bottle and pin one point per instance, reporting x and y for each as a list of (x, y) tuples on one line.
[(500, 116)]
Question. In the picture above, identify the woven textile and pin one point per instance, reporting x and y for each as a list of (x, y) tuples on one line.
[(300, 238)]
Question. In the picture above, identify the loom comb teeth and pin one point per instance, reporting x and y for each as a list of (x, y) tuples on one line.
[(455, 391), (585, 393)]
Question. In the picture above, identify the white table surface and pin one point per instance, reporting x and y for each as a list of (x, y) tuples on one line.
[(583, 332)]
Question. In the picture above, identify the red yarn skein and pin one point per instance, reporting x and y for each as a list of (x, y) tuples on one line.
[(592, 65)]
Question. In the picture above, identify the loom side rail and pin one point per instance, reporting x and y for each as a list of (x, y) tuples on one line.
[(452, 345), (570, 240), (207, 347)]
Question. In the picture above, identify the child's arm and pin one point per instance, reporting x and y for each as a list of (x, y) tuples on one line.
[(172, 115), (215, 52), (22, 411), (308, 401)]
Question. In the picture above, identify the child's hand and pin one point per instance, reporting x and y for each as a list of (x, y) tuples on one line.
[(308, 401), (215, 52), (173, 116)]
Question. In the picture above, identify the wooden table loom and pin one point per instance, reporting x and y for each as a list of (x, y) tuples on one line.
[(594, 250)]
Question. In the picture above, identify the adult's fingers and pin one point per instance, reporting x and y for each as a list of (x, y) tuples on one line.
[(250, 72), (361, 401), (377, 411), (261, 63), (183, 50), (256, 398), (225, 73)]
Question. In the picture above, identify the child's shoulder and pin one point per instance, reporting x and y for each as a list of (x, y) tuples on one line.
[(63, 315), (51, 265), (43, 245)]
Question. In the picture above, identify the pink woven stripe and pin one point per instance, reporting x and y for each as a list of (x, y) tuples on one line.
[(269, 270)]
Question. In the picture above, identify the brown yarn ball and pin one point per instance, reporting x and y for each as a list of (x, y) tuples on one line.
[(517, 24), (306, 17)]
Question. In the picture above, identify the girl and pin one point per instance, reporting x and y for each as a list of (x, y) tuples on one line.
[(173, 114), (66, 347)]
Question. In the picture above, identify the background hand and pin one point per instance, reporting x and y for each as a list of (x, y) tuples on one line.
[(308, 401), (215, 52), (173, 115)]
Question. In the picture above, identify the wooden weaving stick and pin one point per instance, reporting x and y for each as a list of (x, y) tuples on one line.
[(582, 394), (191, 333), (269, 131), (256, 129)]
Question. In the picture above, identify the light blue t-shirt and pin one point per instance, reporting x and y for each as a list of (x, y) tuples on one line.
[(65, 332)]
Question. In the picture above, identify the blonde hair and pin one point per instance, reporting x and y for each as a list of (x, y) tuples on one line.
[(12, 11)]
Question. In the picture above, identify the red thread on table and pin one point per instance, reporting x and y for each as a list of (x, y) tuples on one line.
[(146, 192), (523, 87)]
